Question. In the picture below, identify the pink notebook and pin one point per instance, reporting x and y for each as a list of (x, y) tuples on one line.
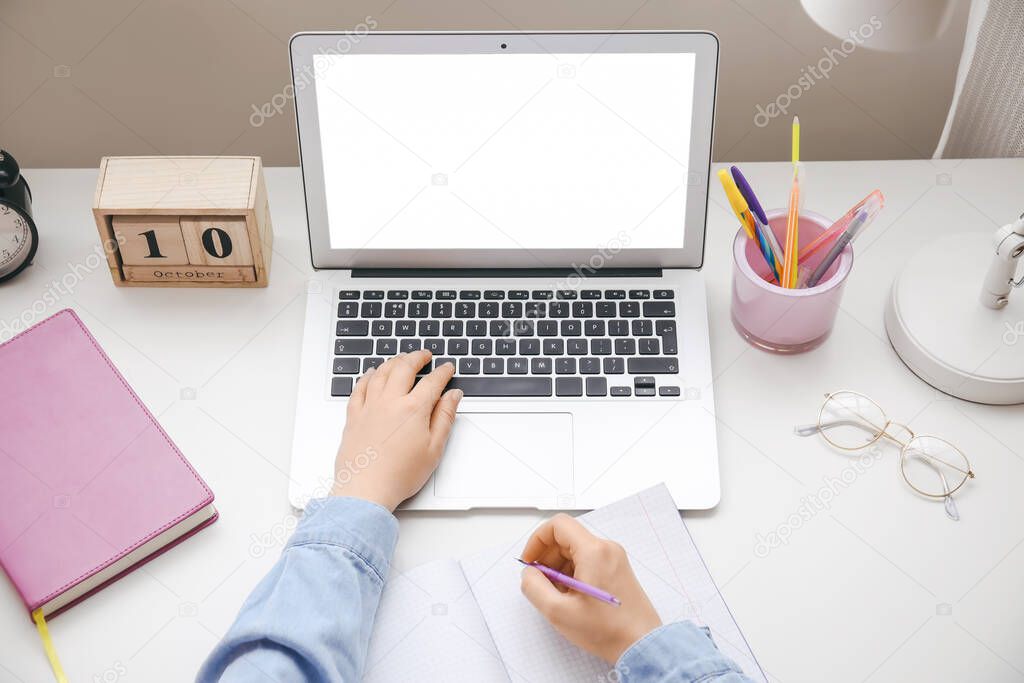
[(90, 485)]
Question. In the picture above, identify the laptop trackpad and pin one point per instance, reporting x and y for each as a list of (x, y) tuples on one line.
[(507, 455)]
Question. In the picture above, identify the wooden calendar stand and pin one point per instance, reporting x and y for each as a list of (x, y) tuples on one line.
[(184, 221)]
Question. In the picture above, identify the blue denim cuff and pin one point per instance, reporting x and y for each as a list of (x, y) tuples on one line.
[(678, 651), (365, 529)]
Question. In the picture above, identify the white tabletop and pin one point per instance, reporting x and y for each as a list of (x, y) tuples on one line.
[(870, 583)]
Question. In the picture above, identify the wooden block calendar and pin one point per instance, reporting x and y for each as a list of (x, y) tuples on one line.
[(184, 221)]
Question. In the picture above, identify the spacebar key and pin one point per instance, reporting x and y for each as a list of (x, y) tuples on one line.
[(502, 386)]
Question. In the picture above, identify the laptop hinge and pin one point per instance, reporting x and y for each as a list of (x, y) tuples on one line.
[(504, 272)]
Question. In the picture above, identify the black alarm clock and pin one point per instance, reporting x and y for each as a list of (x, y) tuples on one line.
[(18, 235)]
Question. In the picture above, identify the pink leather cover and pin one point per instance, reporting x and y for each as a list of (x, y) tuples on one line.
[(86, 473)]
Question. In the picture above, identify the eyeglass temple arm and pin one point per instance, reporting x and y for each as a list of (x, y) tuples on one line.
[(806, 430), (811, 429), (950, 505)]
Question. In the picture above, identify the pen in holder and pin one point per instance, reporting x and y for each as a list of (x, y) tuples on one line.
[(786, 320)]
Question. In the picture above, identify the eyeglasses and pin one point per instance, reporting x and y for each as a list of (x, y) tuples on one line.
[(933, 467)]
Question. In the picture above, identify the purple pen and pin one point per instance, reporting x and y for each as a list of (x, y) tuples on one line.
[(762, 218), (575, 584), (748, 194)]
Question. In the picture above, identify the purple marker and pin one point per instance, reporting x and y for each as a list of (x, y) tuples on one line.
[(575, 584)]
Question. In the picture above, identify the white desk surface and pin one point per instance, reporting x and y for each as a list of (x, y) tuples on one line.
[(873, 585)]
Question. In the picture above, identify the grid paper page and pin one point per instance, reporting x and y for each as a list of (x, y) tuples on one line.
[(666, 562), (428, 627)]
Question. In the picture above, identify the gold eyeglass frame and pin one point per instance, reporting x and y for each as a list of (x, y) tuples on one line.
[(883, 431)]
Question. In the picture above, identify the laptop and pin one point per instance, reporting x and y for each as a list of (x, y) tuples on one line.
[(530, 207)]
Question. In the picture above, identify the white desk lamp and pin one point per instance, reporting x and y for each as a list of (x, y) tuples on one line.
[(999, 281), (907, 26), (961, 343)]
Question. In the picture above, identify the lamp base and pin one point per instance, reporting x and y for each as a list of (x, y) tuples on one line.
[(940, 329)]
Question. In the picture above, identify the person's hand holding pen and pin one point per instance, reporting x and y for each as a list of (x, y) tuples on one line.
[(605, 630)]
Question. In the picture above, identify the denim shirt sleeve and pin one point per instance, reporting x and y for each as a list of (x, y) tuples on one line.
[(677, 652), (311, 617)]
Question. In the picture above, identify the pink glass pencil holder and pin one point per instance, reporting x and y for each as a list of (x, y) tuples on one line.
[(783, 320)]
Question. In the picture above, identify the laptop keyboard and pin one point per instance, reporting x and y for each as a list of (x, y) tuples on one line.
[(511, 343)]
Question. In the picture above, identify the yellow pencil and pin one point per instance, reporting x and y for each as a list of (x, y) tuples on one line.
[(796, 143), (792, 246)]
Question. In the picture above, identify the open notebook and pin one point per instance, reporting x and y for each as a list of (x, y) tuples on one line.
[(466, 620)]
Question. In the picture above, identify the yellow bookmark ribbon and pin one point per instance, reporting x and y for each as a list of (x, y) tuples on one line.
[(51, 651)]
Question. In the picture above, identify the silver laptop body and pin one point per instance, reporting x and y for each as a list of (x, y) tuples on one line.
[(532, 208)]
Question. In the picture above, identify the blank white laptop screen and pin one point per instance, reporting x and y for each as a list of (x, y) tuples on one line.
[(505, 151)]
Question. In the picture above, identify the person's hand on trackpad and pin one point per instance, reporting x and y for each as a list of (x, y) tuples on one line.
[(395, 432)]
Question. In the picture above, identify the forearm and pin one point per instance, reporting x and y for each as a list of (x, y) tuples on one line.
[(311, 617), (677, 652)]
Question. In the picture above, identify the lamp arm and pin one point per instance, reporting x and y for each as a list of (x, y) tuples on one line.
[(1000, 278)]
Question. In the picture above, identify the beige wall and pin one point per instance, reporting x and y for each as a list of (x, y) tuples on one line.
[(80, 80)]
